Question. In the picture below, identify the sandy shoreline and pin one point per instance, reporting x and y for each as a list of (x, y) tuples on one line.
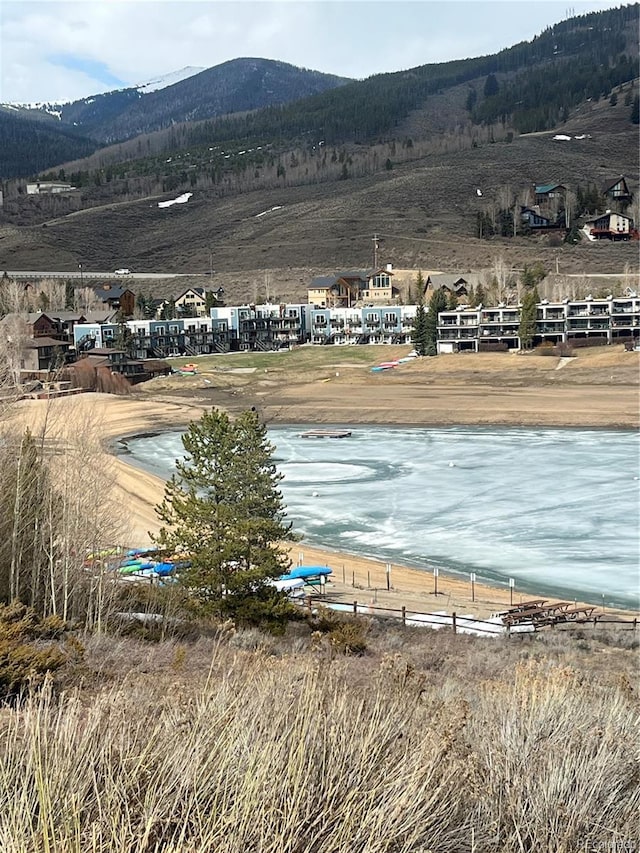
[(139, 492)]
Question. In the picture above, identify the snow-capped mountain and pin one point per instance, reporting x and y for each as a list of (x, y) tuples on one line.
[(168, 79)]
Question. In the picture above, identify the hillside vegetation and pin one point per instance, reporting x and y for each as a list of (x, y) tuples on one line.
[(240, 741)]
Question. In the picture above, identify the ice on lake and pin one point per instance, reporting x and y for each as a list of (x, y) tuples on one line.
[(556, 509)]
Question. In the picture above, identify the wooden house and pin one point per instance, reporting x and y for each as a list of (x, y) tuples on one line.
[(450, 283), (617, 189), (119, 299), (549, 193), (345, 289), (43, 354), (534, 219), (610, 226), (191, 303)]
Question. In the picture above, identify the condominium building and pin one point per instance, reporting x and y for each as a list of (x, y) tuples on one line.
[(272, 327), (612, 320)]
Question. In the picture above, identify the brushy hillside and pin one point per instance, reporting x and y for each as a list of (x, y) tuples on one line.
[(424, 209), (245, 742)]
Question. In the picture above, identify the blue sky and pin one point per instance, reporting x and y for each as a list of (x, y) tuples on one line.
[(52, 50)]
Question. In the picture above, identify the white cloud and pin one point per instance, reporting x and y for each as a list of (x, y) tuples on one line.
[(135, 40)]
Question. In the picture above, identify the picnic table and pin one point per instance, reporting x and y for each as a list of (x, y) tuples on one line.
[(540, 612), (524, 605), (575, 614), (529, 614)]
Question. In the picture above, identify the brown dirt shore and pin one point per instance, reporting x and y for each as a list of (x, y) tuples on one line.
[(355, 396)]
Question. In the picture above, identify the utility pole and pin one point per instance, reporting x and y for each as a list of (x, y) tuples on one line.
[(375, 251)]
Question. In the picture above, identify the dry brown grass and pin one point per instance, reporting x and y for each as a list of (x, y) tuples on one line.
[(428, 742)]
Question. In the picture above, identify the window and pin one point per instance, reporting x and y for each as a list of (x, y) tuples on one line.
[(381, 280), (173, 330)]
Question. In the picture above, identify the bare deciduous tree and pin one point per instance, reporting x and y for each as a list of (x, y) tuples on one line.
[(56, 507)]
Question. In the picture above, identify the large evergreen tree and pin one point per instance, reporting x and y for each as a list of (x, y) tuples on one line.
[(437, 303), (223, 510), (419, 334), (528, 315)]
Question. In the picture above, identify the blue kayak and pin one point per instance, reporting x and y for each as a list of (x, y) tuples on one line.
[(306, 572)]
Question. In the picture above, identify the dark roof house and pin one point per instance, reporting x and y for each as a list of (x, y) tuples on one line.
[(119, 298), (617, 189), (534, 219), (548, 192), (451, 282)]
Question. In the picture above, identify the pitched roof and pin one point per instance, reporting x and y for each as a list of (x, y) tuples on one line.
[(112, 292), (543, 189), (199, 291), (607, 213), (320, 282), (536, 212), (452, 281), (104, 316), (38, 343), (33, 316), (611, 182), (66, 316)]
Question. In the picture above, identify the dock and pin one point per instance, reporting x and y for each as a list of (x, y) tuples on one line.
[(326, 433)]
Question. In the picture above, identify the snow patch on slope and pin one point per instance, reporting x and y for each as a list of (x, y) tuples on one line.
[(168, 79), (182, 199)]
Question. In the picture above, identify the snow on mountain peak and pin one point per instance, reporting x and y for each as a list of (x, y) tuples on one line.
[(168, 79)]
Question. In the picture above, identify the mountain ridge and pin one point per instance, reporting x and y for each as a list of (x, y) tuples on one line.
[(307, 184)]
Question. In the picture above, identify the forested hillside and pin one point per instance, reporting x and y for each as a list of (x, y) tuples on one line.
[(30, 146), (236, 86), (232, 87)]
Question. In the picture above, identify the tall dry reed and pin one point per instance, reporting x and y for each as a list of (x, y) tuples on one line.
[(294, 754)]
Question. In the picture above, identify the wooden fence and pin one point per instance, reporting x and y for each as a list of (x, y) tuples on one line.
[(463, 623)]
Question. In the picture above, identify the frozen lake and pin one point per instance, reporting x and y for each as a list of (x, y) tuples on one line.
[(556, 509)]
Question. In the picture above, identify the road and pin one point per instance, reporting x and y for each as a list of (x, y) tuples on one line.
[(91, 275)]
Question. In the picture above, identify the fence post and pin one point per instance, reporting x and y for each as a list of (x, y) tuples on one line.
[(353, 578), (343, 575), (355, 608), (454, 622), (368, 579), (388, 569), (404, 615), (309, 602)]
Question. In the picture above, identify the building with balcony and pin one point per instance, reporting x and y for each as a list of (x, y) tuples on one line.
[(597, 321)]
